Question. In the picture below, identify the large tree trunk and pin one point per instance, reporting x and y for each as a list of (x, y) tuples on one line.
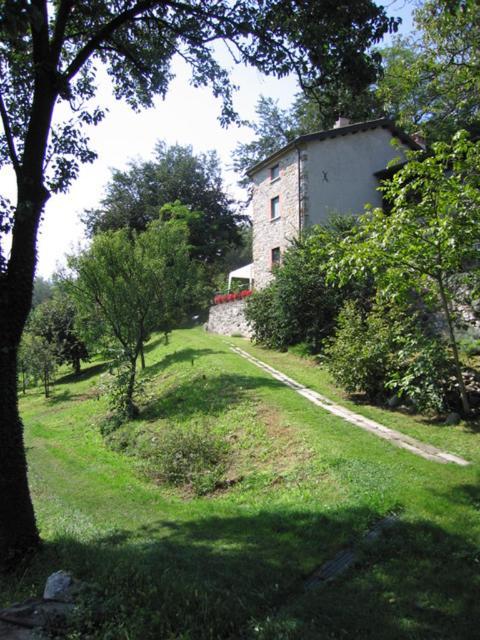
[(18, 531)]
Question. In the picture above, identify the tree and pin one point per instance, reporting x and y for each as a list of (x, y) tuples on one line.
[(273, 128), (37, 360), (43, 362), (49, 54), (42, 290), (54, 321), (134, 197), (431, 83), (428, 237), (137, 283)]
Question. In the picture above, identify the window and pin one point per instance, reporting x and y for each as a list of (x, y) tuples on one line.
[(275, 208), (275, 172), (276, 256)]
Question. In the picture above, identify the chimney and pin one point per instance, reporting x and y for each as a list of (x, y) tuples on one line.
[(341, 122)]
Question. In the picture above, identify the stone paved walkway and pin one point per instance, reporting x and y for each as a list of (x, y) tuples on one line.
[(395, 437)]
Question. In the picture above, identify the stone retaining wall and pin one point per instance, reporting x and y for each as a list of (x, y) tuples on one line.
[(228, 319)]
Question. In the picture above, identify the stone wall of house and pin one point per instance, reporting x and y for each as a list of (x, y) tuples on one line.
[(269, 234), (229, 319)]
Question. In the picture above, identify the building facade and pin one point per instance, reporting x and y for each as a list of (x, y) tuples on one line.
[(317, 175)]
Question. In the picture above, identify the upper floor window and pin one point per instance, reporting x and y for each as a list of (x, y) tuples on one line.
[(274, 172), (275, 208)]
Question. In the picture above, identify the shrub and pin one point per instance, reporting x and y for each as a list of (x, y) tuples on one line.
[(421, 370), (389, 351), (194, 457), (265, 315), (358, 356), (114, 385)]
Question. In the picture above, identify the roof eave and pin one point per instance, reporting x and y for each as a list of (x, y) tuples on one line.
[(384, 123)]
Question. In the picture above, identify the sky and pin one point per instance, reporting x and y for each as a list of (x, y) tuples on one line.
[(188, 115)]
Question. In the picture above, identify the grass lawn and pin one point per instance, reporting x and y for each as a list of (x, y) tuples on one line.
[(300, 484)]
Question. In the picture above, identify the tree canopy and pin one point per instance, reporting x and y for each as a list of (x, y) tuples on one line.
[(135, 197), (427, 82), (431, 81), (54, 320)]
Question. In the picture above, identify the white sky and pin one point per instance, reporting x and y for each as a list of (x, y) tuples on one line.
[(186, 116)]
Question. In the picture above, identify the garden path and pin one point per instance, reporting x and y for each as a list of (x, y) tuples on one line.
[(395, 437)]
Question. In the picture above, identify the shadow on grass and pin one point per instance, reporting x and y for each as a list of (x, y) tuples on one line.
[(243, 577), (203, 394), (182, 355), (85, 374), (57, 397), (152, 344)]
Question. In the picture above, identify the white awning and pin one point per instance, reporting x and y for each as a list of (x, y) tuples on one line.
[(245, 273)]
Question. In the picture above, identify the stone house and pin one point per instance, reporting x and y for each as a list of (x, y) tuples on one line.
[(304, 183), (317, 175)]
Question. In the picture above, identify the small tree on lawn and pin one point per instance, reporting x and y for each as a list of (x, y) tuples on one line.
[(136, 283), (54, 320), (429, 236), (43, 362), (24, 361)]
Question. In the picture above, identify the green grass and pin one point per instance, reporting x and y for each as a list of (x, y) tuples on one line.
[(231, 564), (429, 430)]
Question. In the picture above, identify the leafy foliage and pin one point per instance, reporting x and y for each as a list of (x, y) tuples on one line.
[(265, 315), (388, 351), (122, 401), (136, 283), (42, 290), (431, 83), (37, 360), (134, 198), (358, 356), (55, 320), (429, 236)]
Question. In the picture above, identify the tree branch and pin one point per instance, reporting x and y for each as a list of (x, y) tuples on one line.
[(39, 30), (103, 34), (9, 136), (59, 30)]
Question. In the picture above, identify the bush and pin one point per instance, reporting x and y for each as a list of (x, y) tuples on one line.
[(421, 372), (359, 354), (266, 317), (389, 351), (194, 457)]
